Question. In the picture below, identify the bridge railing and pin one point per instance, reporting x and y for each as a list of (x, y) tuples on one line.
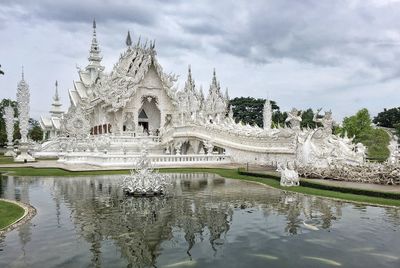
[(130, 160)]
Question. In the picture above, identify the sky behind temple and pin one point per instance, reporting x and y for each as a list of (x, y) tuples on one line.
[(341, 55)]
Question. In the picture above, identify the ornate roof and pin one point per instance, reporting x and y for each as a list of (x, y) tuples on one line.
[(117, 88), (216, 102)]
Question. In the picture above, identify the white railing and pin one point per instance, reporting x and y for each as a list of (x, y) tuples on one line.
[(230, 140), (125, 139), (129, 160)]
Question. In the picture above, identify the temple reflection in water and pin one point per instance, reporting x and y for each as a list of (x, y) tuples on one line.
[(199, 210)]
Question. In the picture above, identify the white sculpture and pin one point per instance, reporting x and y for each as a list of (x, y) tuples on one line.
[(9, 121), (394, 150), (289, 176), (267, 115), (294, 119), (377, 173), (326, 121), (75, 122), (143, 180), (23, 110)]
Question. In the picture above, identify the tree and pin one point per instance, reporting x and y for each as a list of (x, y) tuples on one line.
[(278, 118), (389, 118), (360, 126), (357, 125), (35, 131), (250, 110), (308, 119), (377, 142)]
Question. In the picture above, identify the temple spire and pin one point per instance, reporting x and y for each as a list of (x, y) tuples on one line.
[(94, 56), (56, 105), (56, 96), (226, 95), (189, 84), (189, 72), (214, 76), (215, 86), (128, 40)]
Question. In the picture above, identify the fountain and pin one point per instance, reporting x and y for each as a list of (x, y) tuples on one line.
[(143, 180)]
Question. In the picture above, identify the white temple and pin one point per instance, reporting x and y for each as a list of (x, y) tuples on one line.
[(112, 114), (51, 125)]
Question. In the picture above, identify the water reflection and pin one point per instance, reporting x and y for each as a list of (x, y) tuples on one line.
[(202, 216)]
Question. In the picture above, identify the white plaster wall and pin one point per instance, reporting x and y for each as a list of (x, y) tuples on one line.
[(151, 86)]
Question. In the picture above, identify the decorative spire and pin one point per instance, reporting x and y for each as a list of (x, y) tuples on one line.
[(94, 56), (214, 79), (201, 93), (23, 107), (189, 84), (226, 95), (189, 72), (128, 40), (215, 85), (56, 97), (56, 105)]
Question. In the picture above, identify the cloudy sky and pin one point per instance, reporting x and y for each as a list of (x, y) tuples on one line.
[(341, 55)]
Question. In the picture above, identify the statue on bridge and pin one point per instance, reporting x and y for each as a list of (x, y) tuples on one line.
[(326, 121), (294, 119)]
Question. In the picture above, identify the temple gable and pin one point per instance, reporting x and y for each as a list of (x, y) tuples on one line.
[(152, 79)]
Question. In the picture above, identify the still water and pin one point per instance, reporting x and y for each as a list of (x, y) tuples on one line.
[(205, 221)]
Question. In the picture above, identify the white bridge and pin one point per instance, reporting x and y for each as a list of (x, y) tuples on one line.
[(183, 145)]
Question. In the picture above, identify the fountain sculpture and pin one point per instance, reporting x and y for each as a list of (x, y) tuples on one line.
[(143, 180)]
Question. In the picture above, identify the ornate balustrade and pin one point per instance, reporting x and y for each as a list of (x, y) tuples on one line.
[(122, 160), (254, 143)]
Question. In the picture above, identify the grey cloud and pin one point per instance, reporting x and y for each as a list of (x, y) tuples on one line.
[(75, 11), (319, 32), (358, 40)]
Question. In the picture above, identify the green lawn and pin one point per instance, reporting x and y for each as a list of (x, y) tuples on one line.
[(227, 173), (6, 159), (9, 213)]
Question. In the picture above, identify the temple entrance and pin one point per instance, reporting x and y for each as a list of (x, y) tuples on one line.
[(145, 125), (149, 116)]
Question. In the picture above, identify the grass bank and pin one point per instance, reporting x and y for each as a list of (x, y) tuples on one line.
[(265, 179), (6, 160), (9, 213), (310, 183)]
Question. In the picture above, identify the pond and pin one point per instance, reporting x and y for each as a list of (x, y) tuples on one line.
[(204, 221)]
